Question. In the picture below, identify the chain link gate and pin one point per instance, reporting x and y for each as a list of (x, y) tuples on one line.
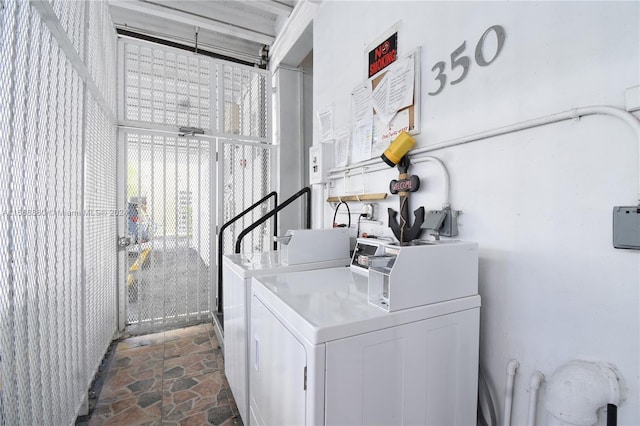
[(56, 129), (171, 190)]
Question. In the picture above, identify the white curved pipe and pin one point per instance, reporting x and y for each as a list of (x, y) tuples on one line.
[(578, 389), (445, 174), (534, 384), (512, 367), (572, 114)]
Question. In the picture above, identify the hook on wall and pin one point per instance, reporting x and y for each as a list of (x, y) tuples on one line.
[(196, 46)]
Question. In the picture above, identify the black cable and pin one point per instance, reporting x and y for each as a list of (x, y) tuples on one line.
[(359, 217), (612, 415), (342, 225)]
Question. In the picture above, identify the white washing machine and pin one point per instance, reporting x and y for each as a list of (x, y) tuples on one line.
[(324, 350), (300, 250)]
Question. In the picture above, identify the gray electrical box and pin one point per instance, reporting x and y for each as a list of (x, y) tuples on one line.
[(626, 227), (443, 222)]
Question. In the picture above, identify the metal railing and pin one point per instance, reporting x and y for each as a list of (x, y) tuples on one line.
[(274, 212), (273, 194)]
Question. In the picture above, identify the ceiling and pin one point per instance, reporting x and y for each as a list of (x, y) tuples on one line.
[(236, 28)]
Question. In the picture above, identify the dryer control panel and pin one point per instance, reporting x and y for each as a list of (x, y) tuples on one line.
[(365, 249), (422, 273)]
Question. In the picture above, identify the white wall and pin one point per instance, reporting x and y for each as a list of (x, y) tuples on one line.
[(539, 202), (287, 125), (307, 104)]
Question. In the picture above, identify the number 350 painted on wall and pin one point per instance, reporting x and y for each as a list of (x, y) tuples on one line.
[(463, 61)]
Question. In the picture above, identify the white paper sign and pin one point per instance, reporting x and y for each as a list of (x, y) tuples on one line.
[(395, 91), (341, 153), (384, 135), (325, 116), (361, 106), (361, 140)]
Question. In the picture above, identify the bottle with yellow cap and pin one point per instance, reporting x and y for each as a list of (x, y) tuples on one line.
[(402, 144)]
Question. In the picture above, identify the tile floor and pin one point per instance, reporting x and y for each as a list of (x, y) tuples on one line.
[(171, 378)]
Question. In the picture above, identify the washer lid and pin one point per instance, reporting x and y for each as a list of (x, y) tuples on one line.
[(329, 304), (270, 262)]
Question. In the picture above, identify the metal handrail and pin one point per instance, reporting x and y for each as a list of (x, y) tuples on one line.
[(273, 194), (275, 211)]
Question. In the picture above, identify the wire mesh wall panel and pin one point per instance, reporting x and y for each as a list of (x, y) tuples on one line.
[(100, 252), (42, 360), (246, 170), (71, 15), (245, 166), (43, 328), (100, 231), (168, 221), (101, 51), (245, 104), (166, 87)]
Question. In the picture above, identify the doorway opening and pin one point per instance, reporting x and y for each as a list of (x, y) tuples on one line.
[(196, 147)]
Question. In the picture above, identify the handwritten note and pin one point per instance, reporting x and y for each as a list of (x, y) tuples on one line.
[(361, 106), (383, 135), (395, 91)]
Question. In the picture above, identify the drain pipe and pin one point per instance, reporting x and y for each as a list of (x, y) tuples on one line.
[(512, 367), (578, 389), (534, 384)]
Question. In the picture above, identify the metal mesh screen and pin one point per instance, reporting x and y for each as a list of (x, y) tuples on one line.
[(245, 166), (100, 232), (165, 87), (41, 351), (169, 88), (100, 252), (246, 177), (71, 15), (168, 221), (244, 96), (45, 341), (101, 51)]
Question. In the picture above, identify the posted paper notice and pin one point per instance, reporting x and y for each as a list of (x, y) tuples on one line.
[(395, 91), (361, 140)]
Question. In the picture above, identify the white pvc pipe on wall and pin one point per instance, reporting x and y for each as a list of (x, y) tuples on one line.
[(445, 174), (572, 114), (422, 159), (534, 384), (512, 367)]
